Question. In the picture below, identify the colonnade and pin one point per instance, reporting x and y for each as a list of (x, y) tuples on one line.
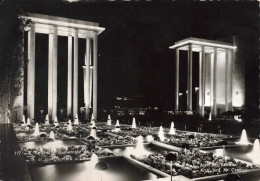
[(203, 47), (54, 27)]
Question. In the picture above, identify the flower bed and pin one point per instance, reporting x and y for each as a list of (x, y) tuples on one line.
[(69, 154), (199, 140), (193, 164), (104, 126), (30, 137), (111, 141), (143, 131)]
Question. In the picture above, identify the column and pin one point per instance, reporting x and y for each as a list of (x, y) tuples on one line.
[(177, 80), (189, 86), (95, 74), (31, 72), (50, 57), (226, 80), (75, 74), (69, 88), (214, 88), (230, 74), (202, 73), (54, 72), (90, 86), (86, 81), (91, 75)]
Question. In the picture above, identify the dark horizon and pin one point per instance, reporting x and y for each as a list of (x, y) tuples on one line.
[(134, 55)]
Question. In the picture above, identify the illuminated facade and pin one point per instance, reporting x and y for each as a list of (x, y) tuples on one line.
[(73, 29), (217, 87)]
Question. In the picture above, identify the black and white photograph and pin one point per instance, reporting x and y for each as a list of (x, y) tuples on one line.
[(129, 90)]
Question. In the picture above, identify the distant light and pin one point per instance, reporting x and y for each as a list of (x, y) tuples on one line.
[(72, 1)]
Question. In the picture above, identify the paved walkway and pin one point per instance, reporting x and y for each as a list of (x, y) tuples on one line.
[(12, 164)]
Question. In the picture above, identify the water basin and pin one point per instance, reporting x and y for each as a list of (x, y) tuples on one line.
[(119, 169)]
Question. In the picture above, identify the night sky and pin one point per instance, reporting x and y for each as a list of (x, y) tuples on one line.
[(134, 55)]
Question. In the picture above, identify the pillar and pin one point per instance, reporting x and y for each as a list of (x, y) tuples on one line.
[(214, 88), (31, 73), (69, 84), (90, 86), (226, 80), (75, 74), (202, 74), (95, 74), (177, 80), (189, 86), (230, 74), (50, 57), (54, 72), (86, 80), (197, 97), (91, 75)]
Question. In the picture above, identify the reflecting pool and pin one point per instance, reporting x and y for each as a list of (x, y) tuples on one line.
[(119, 169)]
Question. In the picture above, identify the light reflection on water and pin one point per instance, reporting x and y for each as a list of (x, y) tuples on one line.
[(119, 170), (127, 151)]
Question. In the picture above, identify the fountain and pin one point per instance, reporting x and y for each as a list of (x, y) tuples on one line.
[(149, 138), (92, 123), (161, 133), (117, 123), (210, 117), (93, 161), (139, 149), (47, 122), (172, 129), (133, 124), (56, 123), (255, 153), (243, 139), (256, 147), (93, 133), (92, 117), (117, 129), (76, 120), (24, 123), (28, 121), (52, 135), (109, 121), (69, 127), (36, 130)]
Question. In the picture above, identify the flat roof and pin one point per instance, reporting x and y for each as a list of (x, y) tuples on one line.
[(202, 42), (66, 26)]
